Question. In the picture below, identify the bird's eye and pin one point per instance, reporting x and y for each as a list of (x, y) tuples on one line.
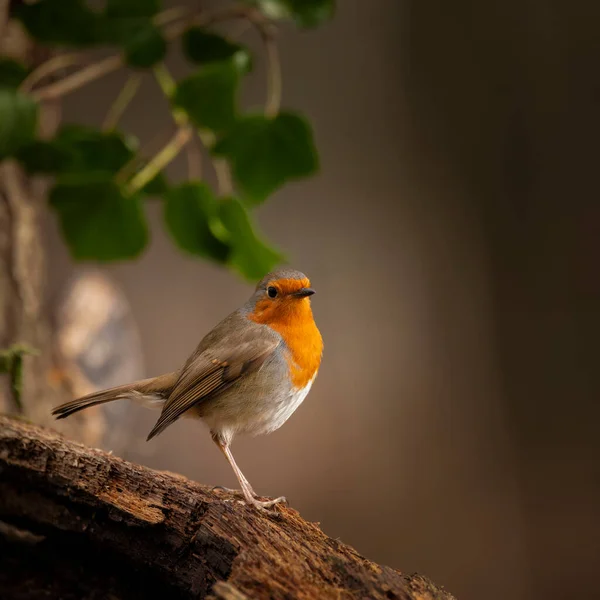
[(271, 291)]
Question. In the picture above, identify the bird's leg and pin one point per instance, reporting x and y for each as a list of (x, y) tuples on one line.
[(244, 483), (249, 494), (238, 472)]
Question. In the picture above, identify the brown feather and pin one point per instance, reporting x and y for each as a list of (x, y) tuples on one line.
[(154, 386), (204, 376)]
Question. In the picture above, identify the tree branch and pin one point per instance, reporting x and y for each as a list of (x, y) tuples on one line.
[(56, 63), (267, 31), (78, 79), (82, 523), (274, 85), (122, 101)]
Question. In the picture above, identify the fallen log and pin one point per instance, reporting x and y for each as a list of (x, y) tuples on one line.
[(79, 523)]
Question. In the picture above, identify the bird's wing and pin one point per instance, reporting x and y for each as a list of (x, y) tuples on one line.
[(214, 368)]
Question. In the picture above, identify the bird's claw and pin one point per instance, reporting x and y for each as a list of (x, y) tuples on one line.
[(266, 505), (269, 503), (261, 505)]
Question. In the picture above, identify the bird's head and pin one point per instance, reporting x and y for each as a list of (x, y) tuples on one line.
[(282, 296)]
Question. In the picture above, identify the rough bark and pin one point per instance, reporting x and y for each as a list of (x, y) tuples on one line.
[(80, 523), (24, 314)]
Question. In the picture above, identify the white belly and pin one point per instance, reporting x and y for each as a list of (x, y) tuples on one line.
[(279, 413)]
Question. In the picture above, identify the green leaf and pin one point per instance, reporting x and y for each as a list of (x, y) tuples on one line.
[(265, 153), (12, 73), (307, 13), (18, 121), (145, 47), (201, 46), (93, 150), (128, 23), (44, 157), (250, 255), (190, 209), (66, 22), (132, 8), (209, 95), (97, 220), (78, 149), (87, 153)]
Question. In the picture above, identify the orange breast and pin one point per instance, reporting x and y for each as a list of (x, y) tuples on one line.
[(296, 325), (306, 348)]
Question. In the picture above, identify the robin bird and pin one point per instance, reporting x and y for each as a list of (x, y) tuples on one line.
[(248, 375)]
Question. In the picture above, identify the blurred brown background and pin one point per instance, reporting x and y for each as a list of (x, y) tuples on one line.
[(453, 239)]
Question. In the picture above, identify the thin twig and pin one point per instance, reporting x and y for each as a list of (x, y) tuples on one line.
[(224, 183), (164, 79), (167, 85), (220, 165), (161, 160), (79, 79), (126, 95), (274, 85), (56, 63), (194, 161), (129, 168)]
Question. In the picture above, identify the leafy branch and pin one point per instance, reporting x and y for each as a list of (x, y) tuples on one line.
[(168, 86), (101, 178)]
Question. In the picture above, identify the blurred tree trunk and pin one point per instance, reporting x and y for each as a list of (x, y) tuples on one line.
[(24, 311)]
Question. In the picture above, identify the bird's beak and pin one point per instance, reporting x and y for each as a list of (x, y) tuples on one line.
[(304, 292)]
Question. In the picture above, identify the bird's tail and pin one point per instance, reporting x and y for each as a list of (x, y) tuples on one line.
[(151, 393)]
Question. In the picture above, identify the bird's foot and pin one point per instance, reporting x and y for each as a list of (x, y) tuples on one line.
[(251, 499), (265, 506)]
